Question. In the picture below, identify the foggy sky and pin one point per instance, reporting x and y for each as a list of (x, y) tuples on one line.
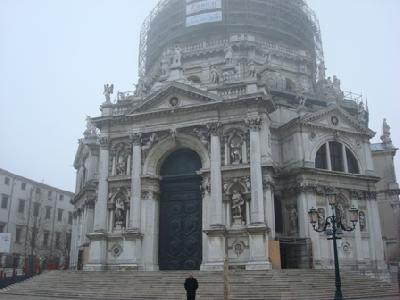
[(55, 57)]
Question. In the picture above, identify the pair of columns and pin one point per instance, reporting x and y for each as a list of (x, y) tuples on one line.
[(100, 223), (257, 199)]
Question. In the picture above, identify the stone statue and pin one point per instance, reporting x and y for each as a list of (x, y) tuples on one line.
[(237, 203), (362, 221), (321, 217), (108, 91), (202, 135), (386, 139), (140, 87), (236, 150), (293, 220), (164, 65), (119, 211), (252, 69), (205, 185), (336, 83), (228, 55), (90, 128), (214, 75), (321, 71), (176, 57), (121, 164), (248, 183), (153, 139)]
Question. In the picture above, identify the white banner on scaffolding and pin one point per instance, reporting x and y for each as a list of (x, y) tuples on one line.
[(203, 11), (5, 242), (204, 18), (197, 7)]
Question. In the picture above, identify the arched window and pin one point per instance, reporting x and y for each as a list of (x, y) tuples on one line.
[(320, 160), (352, 162), (335, 156)]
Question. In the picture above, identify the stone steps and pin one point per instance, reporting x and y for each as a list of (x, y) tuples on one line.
[(244, 285)]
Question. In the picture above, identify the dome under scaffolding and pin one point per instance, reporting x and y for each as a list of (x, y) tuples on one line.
[(290, 24)]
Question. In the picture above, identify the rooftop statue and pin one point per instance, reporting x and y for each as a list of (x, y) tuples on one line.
[(386, 139), (108, 91)]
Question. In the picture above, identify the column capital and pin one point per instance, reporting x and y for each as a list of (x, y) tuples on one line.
[(215, 128), (136, 139), (104, 142), (254, 123)]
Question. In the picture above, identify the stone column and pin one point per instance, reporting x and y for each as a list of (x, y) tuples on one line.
[(375, 231), (344, 155), (302, 214), (357, 233), (98, 239), (90, 216), (100, 221), (216, 177), (257, 199), (136, 184), (74, 252), (270, 207), (213, 257), (328, 157)]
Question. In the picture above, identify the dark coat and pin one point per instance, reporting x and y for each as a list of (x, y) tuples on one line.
[(191, 285)]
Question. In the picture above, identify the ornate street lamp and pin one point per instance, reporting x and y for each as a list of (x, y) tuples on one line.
[(332, 226)]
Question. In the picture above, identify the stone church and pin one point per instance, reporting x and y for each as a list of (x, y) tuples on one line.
[(233, 133)]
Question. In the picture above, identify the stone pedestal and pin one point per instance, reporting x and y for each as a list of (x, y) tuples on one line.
[(214, 260), (132, 255), (98, 252), (258, 241)]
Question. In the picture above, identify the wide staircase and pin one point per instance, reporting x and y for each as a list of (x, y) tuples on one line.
[(243, 285)]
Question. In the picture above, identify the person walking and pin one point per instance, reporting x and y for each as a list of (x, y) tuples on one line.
[(191, 285)]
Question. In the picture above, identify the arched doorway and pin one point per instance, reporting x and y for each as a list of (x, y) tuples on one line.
[(180, 234)]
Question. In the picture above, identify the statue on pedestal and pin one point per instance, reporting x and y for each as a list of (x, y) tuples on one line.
[(386, 139), (108, 91)]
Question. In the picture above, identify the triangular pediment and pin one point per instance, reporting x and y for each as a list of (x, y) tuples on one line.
[(336, 118), (175, 96)]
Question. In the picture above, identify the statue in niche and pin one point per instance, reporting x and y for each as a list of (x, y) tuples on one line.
[(321, 217), (252, 69), (205, 185), (293, 220), (248, 183), (362, 221), (386, 139), (214, 75), (121, 159), (119, 210), (228, 55), (236, 150), (237, 206), (108, 91)]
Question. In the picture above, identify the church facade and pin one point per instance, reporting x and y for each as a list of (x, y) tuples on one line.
[(233, 133)]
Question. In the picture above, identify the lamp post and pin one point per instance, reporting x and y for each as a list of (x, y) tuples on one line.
[(332, 225)]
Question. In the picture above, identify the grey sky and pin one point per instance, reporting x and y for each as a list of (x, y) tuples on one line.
[(55, 57)]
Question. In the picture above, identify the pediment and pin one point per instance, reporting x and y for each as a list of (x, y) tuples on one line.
[(336, 118), (175, 96)]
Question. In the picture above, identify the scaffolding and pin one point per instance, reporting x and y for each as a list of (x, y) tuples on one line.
[(292, 20)]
